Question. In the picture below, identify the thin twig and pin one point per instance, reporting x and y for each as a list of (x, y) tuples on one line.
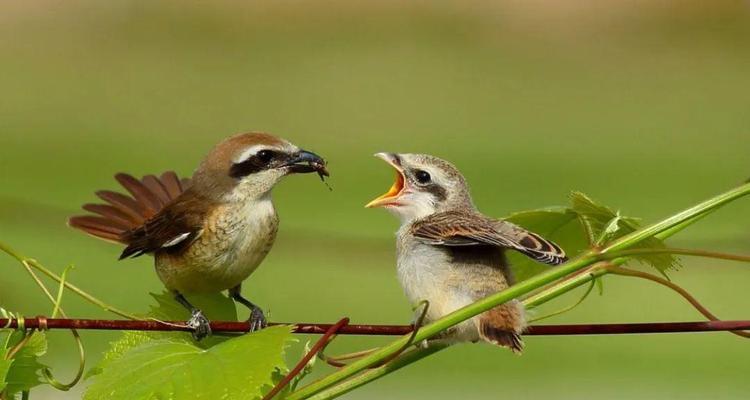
[(216, 326), (46, 371), (31, 263), (322, 342), (337, 361), (650, 327), (380, 330), (568, 308), (671, 285), (375, 373)]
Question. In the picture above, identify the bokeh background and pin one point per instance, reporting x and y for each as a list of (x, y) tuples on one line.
[(644, 105)]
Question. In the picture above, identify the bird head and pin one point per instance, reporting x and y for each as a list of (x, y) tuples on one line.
[(424, 185), (247, 166)]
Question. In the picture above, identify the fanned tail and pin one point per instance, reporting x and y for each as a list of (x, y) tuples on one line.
[(122, 213)]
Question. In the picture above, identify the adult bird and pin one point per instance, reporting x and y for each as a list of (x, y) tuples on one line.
[(207, 233), (450, 254)]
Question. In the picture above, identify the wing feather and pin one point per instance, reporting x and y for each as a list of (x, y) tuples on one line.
[(172, 229), (457, 228)]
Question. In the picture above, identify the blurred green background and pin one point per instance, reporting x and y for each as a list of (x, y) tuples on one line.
[(645, 106)]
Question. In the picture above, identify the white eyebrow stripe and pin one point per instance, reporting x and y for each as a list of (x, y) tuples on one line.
[(249, 152)]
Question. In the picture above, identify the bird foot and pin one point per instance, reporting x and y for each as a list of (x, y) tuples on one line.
[(199, 324), (257, 320)]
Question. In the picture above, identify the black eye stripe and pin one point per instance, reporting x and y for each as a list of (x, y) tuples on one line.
[(438, 191), (255, 163), (247, 167), (265, 155)]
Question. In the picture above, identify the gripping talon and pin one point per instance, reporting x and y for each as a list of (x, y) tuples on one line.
[(200, 325), (257, 319)]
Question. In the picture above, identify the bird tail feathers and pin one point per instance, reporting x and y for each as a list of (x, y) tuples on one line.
[(503, 326), (121, 213)]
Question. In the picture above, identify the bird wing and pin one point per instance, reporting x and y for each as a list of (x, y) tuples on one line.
[(456, 228), (172, 229)]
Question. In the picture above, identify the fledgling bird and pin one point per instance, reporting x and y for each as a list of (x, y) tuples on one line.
[(207, 233), (451, 255)]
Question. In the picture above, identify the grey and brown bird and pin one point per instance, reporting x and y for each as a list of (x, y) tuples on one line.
[(207, 233), (451, 255)]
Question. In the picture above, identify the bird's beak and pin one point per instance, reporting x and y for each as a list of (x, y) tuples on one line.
[(305, 161), (389, 197)]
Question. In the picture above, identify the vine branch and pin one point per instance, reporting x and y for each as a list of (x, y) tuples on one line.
[(671, 285), (43, 323)]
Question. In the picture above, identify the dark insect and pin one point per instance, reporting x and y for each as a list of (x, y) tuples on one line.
[(320, 169)]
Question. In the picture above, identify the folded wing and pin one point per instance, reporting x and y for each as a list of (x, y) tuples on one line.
[(458, 228)]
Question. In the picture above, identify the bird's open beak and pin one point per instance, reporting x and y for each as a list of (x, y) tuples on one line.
[(305, 161), (390, 197)]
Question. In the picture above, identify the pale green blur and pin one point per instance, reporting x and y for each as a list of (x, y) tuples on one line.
[(645, 109)]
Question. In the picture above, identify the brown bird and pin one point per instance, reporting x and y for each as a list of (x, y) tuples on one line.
[(451, 255), (207, 233)]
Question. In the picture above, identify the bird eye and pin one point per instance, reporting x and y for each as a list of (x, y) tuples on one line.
[(422, 176), (265, 155)]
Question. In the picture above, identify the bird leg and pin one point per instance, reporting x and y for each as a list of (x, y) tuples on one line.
[(257, 320), (197, 322)]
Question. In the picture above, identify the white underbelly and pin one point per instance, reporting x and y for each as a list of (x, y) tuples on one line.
[(426, 275)]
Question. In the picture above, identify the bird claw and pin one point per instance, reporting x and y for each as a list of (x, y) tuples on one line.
[(257, 320), (200, 325)]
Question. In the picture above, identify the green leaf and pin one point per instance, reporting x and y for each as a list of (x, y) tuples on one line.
[(601, 224), (610, 230), (238, 368), (593, 217), (576, 228), (215, 306), (23, 373), (126, 342), (4, 368)]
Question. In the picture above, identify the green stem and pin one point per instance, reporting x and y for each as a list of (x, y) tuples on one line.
[(91, 299), (684, 252), (565, 286), (46, 372), (703, 210), (669, 225), (678, 221), (568, 308), (60, 290), (679, 227), (375, 373), (619, 258)]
